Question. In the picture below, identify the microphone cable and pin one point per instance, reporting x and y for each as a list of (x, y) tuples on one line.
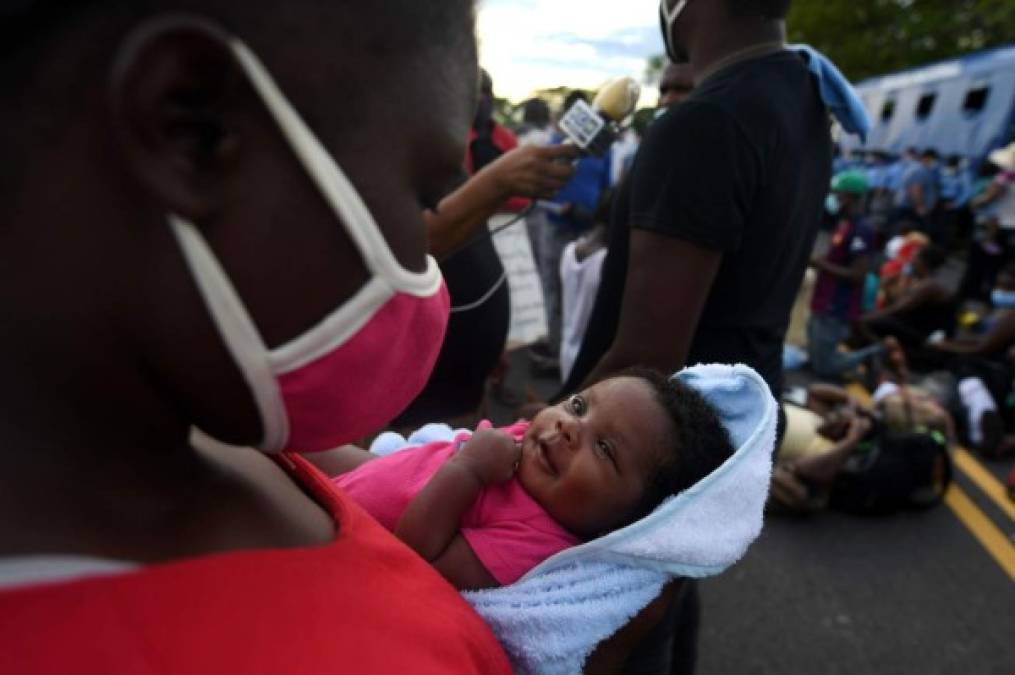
[(487, 235)]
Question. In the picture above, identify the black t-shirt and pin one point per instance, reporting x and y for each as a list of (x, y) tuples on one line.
[(742, 166)]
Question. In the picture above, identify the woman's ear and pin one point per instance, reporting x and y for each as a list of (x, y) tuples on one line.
[(173, 95)]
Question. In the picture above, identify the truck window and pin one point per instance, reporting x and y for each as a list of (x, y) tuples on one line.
[(887, 110), (925, 106), (976, 100)]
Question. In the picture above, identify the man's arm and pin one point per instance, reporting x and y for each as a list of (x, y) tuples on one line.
[(992, 193), (855, 272), (994, 341), (823, 397), (668, 283), (923, 293)]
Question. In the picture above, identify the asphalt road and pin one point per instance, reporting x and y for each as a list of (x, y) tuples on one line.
[(913, 593), (927, 592)]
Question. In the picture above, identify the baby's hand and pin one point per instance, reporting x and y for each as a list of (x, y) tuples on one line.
[(491, 456)]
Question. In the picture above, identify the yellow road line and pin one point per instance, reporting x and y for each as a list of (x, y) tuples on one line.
[(984, 480), (981, 527)]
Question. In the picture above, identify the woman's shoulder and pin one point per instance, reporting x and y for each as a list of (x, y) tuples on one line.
[(338, 606)]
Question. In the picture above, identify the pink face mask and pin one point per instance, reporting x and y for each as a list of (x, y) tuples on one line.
[(365, 362)]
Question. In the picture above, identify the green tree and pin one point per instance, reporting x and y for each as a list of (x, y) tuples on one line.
[(872, 37), (654, 69)]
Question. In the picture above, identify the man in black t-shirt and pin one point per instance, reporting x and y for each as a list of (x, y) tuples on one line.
[(676, 84), (711, 234), (714, 228)]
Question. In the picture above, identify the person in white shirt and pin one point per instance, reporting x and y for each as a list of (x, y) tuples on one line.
[(580, 268)]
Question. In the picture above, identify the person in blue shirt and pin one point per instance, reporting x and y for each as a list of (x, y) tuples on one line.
[(879, 168), (956, 184), (956, 189), (897, 167), (875, 170), (917, 196), (569, 214)]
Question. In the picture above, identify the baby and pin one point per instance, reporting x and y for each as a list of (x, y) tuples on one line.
[(485, 509)]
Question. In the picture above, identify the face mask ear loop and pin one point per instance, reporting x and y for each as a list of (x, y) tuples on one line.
[(669, 19), (239, 334), (333, 184)]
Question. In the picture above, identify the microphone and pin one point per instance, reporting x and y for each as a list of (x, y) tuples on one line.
[(594, 128)]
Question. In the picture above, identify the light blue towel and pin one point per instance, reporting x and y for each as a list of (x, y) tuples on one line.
[(837, 93), (552, 619), (390, 442)]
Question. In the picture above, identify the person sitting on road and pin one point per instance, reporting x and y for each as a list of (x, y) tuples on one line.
[(997, 332), (823, 436), (981, 362), (923, 305), (899, 253), (842, 273)]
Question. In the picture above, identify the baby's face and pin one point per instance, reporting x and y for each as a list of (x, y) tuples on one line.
[(588, 459)]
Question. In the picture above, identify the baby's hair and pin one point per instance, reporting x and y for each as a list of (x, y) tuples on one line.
[(699, 443)]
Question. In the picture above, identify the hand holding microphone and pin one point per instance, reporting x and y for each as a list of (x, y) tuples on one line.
[(594, 128), (532, 171)]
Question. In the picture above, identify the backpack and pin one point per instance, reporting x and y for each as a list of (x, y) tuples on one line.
[(894, 470)]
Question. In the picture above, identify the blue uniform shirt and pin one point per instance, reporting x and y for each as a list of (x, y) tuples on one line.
[(926, 178), (956, 187), (591, 178)]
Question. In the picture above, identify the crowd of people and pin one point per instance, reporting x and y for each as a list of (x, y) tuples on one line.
[(913, 292), (917, 269), (922, 253), (212, 269), (918, 253), (917, 266)]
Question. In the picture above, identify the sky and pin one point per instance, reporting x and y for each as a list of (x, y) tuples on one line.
[(533, 44)]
